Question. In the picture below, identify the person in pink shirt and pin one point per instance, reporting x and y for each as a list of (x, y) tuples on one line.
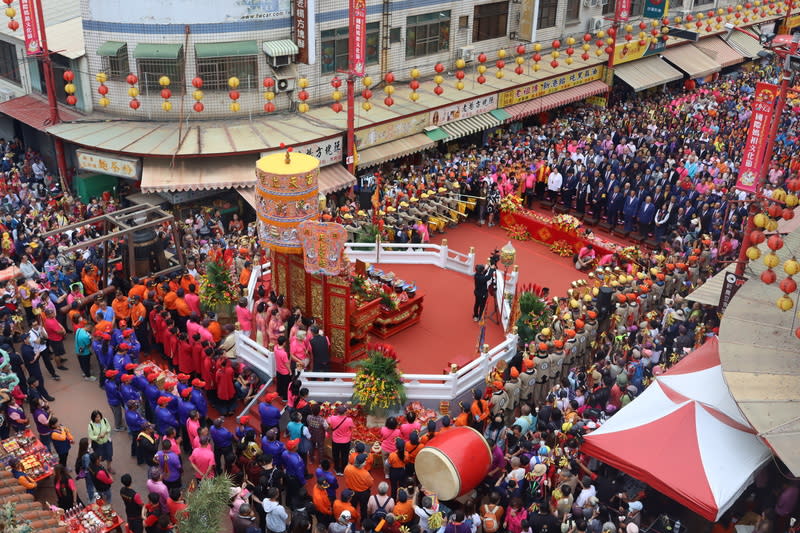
[(283, 372), (410, 425), (341, 434), (192, 299), (202, 459), (275, 325), (244, 317), (298, 351), (192, 325), (389, 432), (193, 427)]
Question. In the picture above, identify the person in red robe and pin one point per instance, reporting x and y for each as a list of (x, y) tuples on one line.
[(171, 344), (197, 353), (185, 362), (226, 392), (208, 369)]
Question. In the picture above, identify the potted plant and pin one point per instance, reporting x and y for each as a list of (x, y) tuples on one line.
[(206, 507), (217, 289), (378, 384)]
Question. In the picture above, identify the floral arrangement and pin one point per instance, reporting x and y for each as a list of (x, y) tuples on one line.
[(422, 413), (567, 222), (216, 285), (518, 232), (630, 253), (364, 289), (510, 203), (378, 383), (534, 314), (389, 299), (11, 522), (561, 248)]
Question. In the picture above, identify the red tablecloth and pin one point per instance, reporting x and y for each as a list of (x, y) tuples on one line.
[(544, 231)]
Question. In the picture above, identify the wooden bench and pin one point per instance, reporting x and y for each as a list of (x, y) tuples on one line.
[(561, 209)]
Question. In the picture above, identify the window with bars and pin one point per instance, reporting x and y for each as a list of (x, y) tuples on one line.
[(547, 13), (610, 7), (637, 8), (9, 67), (573, 9), (335, 45), (151, 70), (490, 21), (117, 67), (698, 3), (217, 71), (427, 34)]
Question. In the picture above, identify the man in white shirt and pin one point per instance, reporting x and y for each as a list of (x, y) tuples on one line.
[(554, 182), (587, 492)]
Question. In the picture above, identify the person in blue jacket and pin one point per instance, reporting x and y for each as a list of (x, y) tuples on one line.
[(324, 472), (104, 352), (129, 337), (223, 442), (139, 380), (151, 393), (114, 398), (199, 399), (121, 357), (163, 417), (136, 423), (269, 414), (126, 390), (183, 382), (295, 471), (185, 407), (274, 447)]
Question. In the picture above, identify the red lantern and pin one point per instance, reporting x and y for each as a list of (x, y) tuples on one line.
[(103, 90), (642, 42), (13, 25), (439, 68), (269, 82), (131, 79), (336, 82), (519, 70), (366, 94), (587, 37), (500, 64), (730, 9), (774, 210), (709, 28), (642, 26), (689, 17), (699, 24), (414, 84), (389, 101), (481, 58), (554, 63), (197, 82), (269, 107), (788, 285), (797, 333), (389, 78), (69, 76), (788, 214), (459, 75), (199, 107), (738, 15), (337, 107), (628, 37), (302, 95), (654, 33), (556, 44), (585, 56), (768, 276), (710, 13), (718, 19), (438, 90), (72, 100), (8, 2), (570, 51), (599, 43), (481, 79), (521, 50), (537, 57), (775, 243), (166, 94), (665, 21), (609, 50), (612, 31), (757, 237), (134, 104), (234, 95)]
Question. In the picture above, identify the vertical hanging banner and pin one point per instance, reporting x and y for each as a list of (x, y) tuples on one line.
[(357, 42), (622, 10), (760, 124), (304, 22), (654, 9), (30, 27), (730, 284)]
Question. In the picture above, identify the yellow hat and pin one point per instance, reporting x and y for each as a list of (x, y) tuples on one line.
[(442, 189), (424, 195), (545, 332), (361, 213), (381, 213), (391, 209), (414, 200), (403, 204), (347, 216)]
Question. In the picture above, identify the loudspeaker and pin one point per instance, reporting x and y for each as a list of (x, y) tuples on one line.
[(605, 305)]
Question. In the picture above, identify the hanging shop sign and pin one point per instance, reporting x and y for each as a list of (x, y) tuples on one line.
[(549, 86), (655, 9), (305, 31), (357, 41), (30, 27), (328, 151), (113, 165), (760, 124), (471, 108), (389, 131), (630, 51)]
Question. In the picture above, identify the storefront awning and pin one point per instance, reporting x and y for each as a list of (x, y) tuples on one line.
[(110, 48), (393, 150), (34, 111), (557, 99), (691, 60), (198, 174), (231, 49), (468, 126), (719, 51), (249, 195), (157, 51), (709, 292), (283, 47), (334, 178), (500, 114), (744, 44), (436, 134), (645, 73)]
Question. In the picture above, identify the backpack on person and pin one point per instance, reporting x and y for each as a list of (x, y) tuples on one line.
[(380, 513), (489, 519)]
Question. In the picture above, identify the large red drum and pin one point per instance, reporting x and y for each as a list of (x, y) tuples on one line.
[(454, 463)]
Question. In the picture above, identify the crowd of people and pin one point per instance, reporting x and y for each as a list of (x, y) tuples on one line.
[(667, 175)]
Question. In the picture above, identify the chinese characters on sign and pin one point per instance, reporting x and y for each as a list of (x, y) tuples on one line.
[(323, 247), (113, 165), (545, 87), (328, 151), (730, 284), (760, 124), (30, 28), (655, 9), (468, 109), (305, 33), (357, 40), (622, 10)]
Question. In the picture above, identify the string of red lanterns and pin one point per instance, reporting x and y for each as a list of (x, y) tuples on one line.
[(269, 94), (336, 83), (102, 89), (197, 94), (133, 91), (69, 87)]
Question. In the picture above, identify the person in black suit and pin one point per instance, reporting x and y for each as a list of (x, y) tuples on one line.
[(320, 350), (614, 204), (583, 195), (483, 274)]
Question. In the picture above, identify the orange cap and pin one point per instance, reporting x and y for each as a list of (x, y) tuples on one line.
[(558, 343), (570, 333), (514, 372)]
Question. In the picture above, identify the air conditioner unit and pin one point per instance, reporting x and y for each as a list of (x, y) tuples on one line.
[(6, 95), (279, 61), (467, 53), (284, 85), (595, 23)]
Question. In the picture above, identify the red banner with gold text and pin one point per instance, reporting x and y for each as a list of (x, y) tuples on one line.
[(30, 28), (357, 40), (753, 156)]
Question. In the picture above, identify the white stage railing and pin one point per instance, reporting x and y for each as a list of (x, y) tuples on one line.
[(412, 254)]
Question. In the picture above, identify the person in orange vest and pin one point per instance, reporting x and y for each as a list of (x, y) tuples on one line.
[(139, 322), (90, 279), (122, 310), (182, 309), (479, 411), (244, 276)]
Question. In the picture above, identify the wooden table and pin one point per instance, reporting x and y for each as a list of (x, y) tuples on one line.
[(391, 322)]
